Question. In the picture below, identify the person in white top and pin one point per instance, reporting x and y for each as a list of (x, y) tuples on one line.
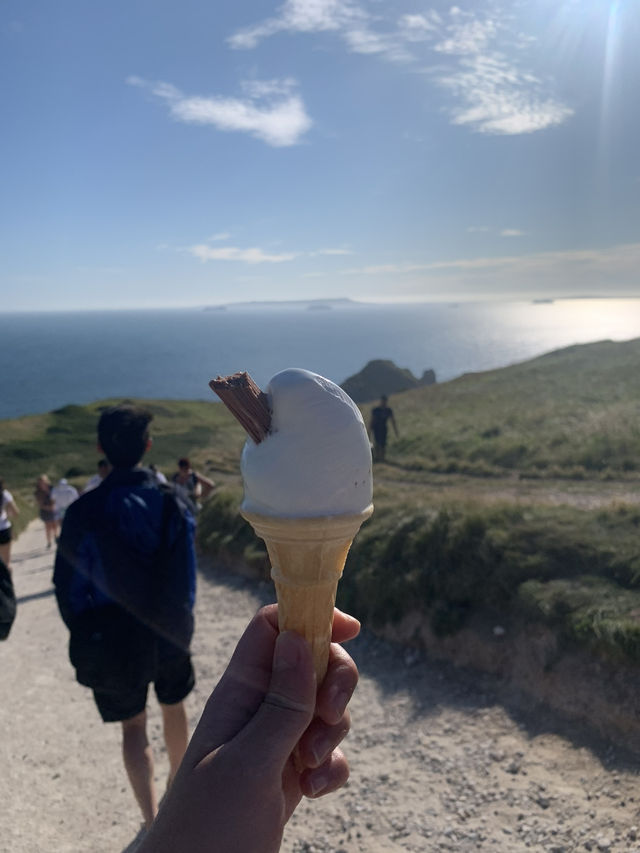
[(7, 509), (63, 494), (157, 474), (104, 468)]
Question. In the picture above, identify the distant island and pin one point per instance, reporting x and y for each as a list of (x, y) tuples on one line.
[(312, 304)]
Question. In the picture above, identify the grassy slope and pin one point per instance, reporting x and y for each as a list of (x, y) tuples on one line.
[(481, 504), (63, 444), (572, 413)]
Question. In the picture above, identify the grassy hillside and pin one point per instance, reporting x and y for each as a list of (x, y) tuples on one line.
[(572, 413), (515, 491), (62, 443)]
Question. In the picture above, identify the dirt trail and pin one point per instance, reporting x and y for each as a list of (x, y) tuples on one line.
[(441, 758), (582, 494)]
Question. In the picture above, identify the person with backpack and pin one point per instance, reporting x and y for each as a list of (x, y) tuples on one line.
[(195, 486), (124, 577)]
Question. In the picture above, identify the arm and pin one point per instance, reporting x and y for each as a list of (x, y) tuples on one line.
[(395, 428), (206, 485), (73, 569), (238, 785), (11, 508)]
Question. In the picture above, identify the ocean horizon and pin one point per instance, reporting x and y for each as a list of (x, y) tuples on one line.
[(58, 358)]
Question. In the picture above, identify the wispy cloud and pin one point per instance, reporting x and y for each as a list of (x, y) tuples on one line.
[(496, 97), (350, 20), (496, 92), (271, 110), (301, 16), (206, 252), (480, 58), (582, 270), (330, 252), (417, 28), (232, 253), (501, 232)]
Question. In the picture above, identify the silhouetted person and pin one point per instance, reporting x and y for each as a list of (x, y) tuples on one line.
[(380, 415), (125, 585)]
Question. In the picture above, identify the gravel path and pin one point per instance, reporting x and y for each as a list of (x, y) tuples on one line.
[(442, 759)]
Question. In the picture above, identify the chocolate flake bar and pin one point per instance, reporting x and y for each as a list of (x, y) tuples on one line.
[(246, 402)]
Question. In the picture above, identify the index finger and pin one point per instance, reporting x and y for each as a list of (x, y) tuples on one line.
[(345, 627)]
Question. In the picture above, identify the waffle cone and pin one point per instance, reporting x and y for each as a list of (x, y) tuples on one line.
[(307, 558)]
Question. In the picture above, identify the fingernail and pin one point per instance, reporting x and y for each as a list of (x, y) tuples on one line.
[(287, 651), (320, 748), (318, 783)]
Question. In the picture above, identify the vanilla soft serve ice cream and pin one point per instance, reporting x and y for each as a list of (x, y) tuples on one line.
[(316, 459)]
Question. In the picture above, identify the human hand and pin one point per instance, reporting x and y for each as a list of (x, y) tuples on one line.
[(238, 785)]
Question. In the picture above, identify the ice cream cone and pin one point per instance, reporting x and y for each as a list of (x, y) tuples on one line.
[(307, 558)]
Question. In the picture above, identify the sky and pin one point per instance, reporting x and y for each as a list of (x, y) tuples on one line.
[(159, 153)]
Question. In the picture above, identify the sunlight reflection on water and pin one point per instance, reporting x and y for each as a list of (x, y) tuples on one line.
[(53, 359)]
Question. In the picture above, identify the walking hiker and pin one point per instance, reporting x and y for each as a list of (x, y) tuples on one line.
[(380, 414), (46, 508), (195, 486), (63, 494), (125, 585), (8, 510)]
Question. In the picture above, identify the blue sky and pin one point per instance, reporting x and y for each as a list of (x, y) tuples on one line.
[(158, 153)]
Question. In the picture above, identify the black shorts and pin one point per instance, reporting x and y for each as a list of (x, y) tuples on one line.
[(5, 536), (174, 681)]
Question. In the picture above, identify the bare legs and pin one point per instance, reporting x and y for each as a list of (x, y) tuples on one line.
[(51, 531), (138, 761), (176, 734), (138, 756)]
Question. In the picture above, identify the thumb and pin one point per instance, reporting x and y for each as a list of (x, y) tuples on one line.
[(290, 701)]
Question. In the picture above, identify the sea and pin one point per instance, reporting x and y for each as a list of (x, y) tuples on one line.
[(48, 360)]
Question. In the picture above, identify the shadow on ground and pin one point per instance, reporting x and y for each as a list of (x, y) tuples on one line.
[(34, 596), (432, 685)]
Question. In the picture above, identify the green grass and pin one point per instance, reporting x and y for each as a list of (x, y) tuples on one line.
[(454, 562), (511, 491), (590, 611), (62, 443), (572, 413)]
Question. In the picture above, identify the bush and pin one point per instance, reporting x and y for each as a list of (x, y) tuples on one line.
[(222, 532), (588, 610), (453, 563)]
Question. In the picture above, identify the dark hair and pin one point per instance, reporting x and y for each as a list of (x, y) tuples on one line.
[(123, 433), (184, 462), (103, 463)]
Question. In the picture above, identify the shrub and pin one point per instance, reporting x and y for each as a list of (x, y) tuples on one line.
[(222, 532)]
